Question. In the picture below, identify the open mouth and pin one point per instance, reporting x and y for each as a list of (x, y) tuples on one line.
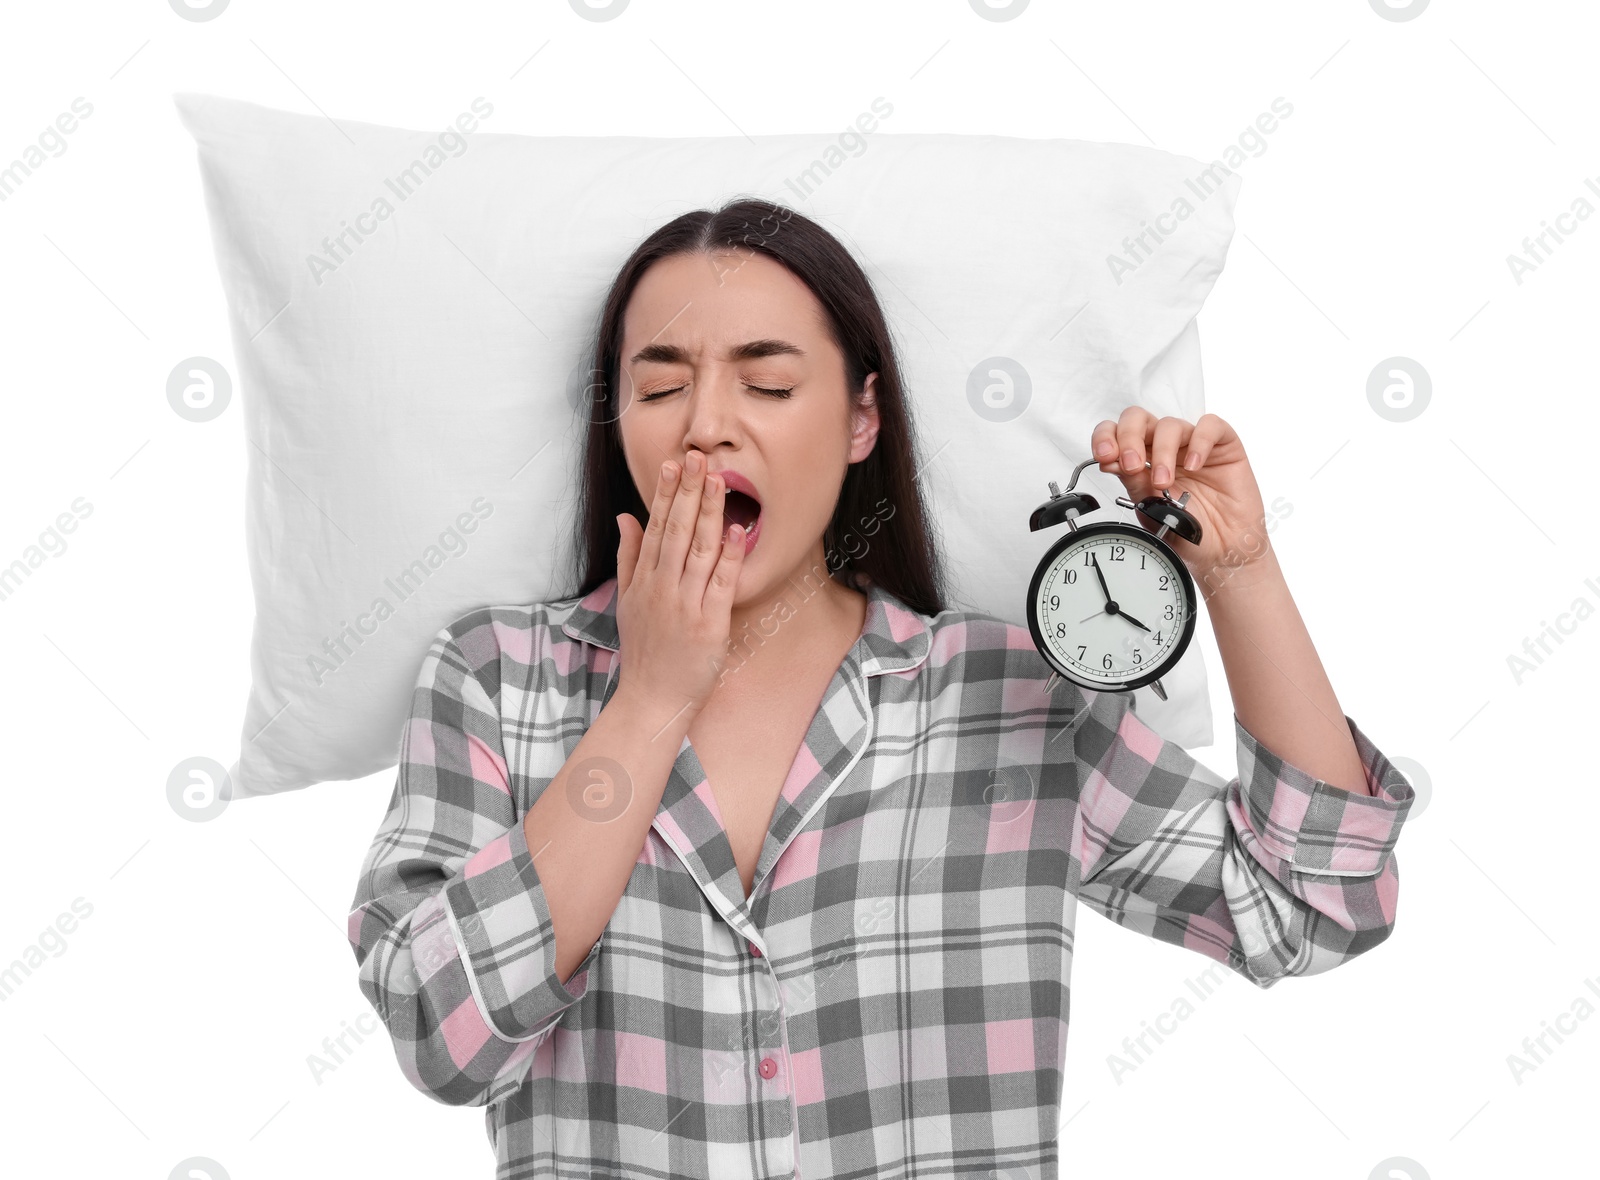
[(741, 509)]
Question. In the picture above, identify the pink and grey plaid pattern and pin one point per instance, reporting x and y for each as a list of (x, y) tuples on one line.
[(892, 999)]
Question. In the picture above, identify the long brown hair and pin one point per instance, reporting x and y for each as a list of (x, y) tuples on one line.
[(879, 526)]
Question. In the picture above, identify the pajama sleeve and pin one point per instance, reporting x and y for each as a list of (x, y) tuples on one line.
[(1273, 873), (450, 925)]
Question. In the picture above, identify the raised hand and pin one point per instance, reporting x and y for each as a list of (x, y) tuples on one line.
[(676, 579)]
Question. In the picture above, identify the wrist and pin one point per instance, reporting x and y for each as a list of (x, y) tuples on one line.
[(653, 712), (1235, 577)]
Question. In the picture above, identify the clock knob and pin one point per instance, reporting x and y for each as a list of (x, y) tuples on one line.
[(1062, 506)]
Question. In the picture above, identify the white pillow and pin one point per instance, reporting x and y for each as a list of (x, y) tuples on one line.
[(411, 310)]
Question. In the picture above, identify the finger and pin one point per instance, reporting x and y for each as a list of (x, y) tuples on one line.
[(718, 600), (1103, 444), (1170, 434), (683, 517), (705, 547), (666, 489), (627, 551), (1134, 429), (1208, 432)]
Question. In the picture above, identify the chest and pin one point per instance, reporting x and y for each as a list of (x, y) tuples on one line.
[(747, 754), (747, 743)]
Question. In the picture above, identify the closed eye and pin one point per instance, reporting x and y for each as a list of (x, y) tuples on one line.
[(779, 393)]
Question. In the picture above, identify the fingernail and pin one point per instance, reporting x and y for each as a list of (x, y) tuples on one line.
[(1130, 460), (1191, 461), (667, 470), (1161, 474), (1104, 449)]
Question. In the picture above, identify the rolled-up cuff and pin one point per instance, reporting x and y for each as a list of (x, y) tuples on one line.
[(501, 921), (1315, 827)]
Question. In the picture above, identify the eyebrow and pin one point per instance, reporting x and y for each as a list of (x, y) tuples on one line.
[(750, 350)]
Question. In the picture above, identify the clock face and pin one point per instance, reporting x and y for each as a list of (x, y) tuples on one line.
[(1110, 607)]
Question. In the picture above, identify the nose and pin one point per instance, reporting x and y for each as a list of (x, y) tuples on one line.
[(713, 409)]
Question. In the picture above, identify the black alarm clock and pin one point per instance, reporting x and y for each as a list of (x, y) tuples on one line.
[(1112, 606)]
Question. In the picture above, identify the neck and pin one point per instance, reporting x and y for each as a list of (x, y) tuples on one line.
[(804, 612)]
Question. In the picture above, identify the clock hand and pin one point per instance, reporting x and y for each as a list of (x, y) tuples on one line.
[(1103, 588), (1133, 620)]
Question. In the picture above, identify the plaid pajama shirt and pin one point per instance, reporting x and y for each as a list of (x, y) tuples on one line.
[(892, 999)]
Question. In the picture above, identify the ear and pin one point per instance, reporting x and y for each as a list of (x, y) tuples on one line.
[(864, 423)]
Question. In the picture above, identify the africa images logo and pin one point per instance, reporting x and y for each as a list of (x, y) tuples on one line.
[(1137, 249), (449, 144)]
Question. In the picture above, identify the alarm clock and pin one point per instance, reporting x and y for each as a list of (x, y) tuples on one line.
[(1112, 606)]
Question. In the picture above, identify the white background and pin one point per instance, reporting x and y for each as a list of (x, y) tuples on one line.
[(177, 1019)]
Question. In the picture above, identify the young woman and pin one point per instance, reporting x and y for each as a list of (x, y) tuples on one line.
[(750, 858)]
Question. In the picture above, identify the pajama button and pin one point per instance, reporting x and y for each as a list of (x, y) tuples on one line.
[(768, 1067), (755, 950)]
